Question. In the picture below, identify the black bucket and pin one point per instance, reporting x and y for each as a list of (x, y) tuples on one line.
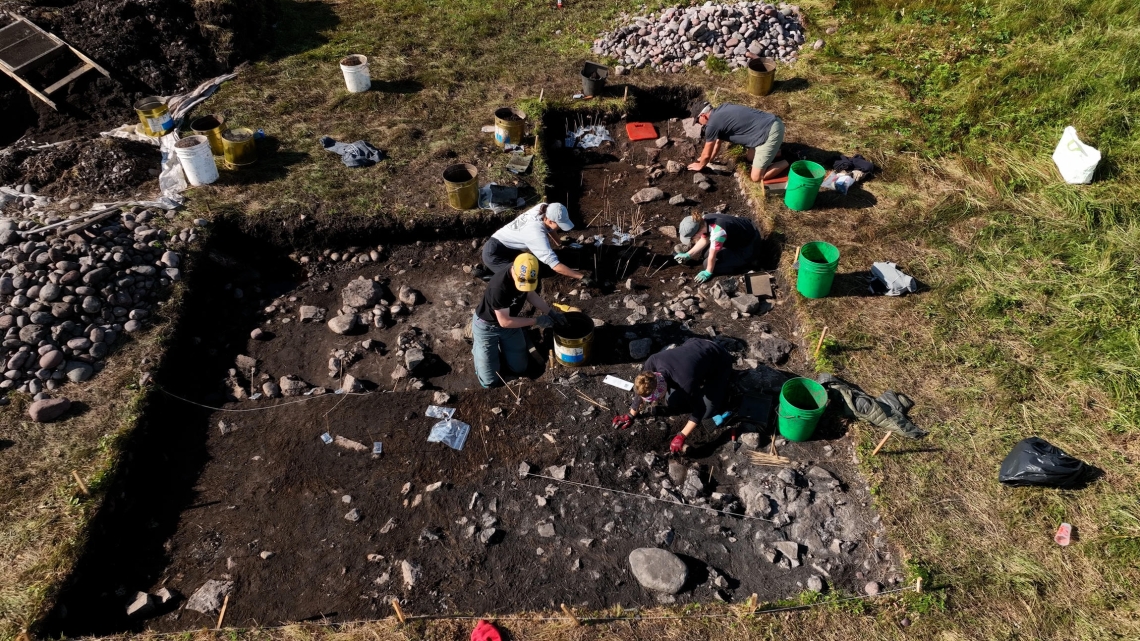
[(594, 78)]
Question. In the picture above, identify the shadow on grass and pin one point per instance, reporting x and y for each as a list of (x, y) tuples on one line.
[(301, 27), (790, 85), (405, 86), (5, 444), (272, 165)]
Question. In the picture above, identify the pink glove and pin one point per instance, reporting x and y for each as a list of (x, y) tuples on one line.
[(623, 422)]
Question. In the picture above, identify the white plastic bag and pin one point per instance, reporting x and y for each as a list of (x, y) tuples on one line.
[(1076, 160)]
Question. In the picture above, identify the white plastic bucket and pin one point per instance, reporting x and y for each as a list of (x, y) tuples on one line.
[(356, 75), (197, 160)]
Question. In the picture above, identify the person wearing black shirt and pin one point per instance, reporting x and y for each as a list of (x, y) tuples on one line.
[(692, 377), (496, 326), (732, 243)]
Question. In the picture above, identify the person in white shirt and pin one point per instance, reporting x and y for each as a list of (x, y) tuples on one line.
[(531, 233)]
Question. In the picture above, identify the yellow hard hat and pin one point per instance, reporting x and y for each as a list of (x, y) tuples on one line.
[(526, 272)]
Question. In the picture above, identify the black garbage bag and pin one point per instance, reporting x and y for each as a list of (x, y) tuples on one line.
[(1035, 461)]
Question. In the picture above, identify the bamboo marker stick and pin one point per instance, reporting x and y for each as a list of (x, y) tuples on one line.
[(541, 93), (222, 614), (819, 344), (918, 585), (82, 487), (881, 444), (590, 400), (625, 98), (399, 612), (567, 612), (517, 397)]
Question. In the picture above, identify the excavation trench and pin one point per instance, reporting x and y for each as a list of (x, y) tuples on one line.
[(202, 493)]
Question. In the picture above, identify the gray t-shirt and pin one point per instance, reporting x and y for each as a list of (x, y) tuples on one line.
[(739, 124)]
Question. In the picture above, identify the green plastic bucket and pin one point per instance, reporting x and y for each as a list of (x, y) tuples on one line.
[(804, 179), (802, 402), (818, 262)]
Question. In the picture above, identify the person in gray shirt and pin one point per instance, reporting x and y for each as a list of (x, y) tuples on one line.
[(759, 131)]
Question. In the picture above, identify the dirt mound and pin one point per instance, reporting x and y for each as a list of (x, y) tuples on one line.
[(103, 167), (148, 46)]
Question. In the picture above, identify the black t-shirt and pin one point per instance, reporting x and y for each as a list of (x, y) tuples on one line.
[(739, 231), (501, 294), (690, 367)]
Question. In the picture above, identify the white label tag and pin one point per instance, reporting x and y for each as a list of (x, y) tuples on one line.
[(618, 383)]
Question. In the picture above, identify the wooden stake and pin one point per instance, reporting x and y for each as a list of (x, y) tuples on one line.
[(222, 614), (567, 612), (881, 443), (399, 612), (625, 98), (588, 399), (541, 94), (82, 487), (819, 344), (918, 585)]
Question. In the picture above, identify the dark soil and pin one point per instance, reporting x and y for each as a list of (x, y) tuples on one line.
[(150, 47), (103, 167), (194, 502)]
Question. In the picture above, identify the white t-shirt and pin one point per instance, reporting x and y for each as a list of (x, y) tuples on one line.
[(528, 232)]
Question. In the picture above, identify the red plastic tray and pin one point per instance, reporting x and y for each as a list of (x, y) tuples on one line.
[(641, 131)]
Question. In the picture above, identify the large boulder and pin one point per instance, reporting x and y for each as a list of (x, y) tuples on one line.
[(658, 570)]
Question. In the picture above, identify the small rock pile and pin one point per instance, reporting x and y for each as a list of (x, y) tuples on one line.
[(681, 37), (64, 301)]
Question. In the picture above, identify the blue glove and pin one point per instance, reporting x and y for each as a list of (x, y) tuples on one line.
[(681, 258), (703, 276), (719, 419)]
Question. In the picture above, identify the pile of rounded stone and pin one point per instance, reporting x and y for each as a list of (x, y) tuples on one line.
[(64, 301), (680, 37)]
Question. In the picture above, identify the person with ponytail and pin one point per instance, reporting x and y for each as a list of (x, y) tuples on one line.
[(731, 241), (693, 377)]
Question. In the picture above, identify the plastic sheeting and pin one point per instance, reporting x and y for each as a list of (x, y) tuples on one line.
[(172, 181)]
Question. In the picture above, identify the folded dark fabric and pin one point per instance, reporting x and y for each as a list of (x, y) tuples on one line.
[(851, 163), (354, 154)]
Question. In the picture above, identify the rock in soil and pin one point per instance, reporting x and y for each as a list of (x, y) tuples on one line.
[(658, 570), (411, 573), (647, 195), (208, 598), (142, 605)]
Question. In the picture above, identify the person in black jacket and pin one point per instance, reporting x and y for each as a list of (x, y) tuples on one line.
[(732, 243), (692, 377)]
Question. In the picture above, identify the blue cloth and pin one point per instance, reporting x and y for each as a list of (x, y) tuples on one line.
[(487, 341)]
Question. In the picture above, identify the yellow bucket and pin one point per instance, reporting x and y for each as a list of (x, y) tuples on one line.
[(239, 147), (154, 116), (761, 75), (210, 127), (509, 126), (574, 342), (462, 183)]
